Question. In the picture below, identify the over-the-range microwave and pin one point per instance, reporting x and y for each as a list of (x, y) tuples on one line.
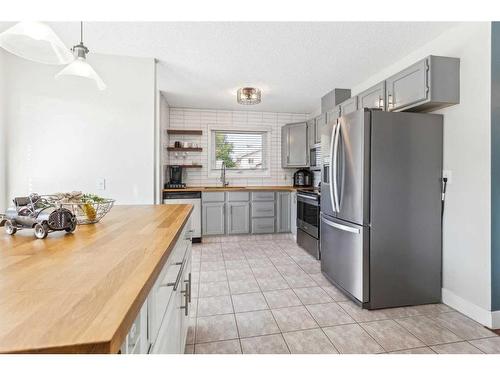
[(315, 157)]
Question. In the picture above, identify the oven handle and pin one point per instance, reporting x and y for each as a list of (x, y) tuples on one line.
[(306, 197)]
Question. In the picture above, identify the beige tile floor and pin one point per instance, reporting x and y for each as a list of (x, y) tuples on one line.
[(264, 294)]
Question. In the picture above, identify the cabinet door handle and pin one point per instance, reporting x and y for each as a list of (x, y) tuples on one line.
[(178, 278), (186, 300), (189, 281)]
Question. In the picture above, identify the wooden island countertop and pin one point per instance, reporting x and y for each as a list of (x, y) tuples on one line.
[(80, 292)]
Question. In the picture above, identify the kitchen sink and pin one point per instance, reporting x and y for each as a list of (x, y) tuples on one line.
[(226, 188)]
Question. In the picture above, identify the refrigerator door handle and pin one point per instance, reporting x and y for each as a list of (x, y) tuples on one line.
[(334, 133), (345, 228), (335, 161)]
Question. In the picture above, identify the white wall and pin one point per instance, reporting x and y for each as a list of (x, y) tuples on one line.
[(64, 135), (467, 244), (183, 118), (3, 151), (164, 112)]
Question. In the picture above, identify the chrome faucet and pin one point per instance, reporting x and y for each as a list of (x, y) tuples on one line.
[(223, 175)]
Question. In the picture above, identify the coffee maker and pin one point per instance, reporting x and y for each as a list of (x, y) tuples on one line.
[(175, 178), (302, 178)]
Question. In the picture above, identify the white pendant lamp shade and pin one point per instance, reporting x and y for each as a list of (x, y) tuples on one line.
[(81, 68), (37, 42)]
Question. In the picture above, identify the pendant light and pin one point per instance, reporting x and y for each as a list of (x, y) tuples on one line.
[(37, 42), (80, 67), (248, 96)]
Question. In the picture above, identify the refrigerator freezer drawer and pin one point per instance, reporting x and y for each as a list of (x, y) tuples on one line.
[(344, 256)]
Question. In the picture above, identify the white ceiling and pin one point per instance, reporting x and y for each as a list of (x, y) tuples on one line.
[(202, 64)]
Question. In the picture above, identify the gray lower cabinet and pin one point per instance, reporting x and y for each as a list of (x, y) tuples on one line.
[(263, 196), (238, 217), (243, 212), (374, 97), (284, 212), (431, 83), (263, 209), (213, 218), (294, 145), (262, 225)]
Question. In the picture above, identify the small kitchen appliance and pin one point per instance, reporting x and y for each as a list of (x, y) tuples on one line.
[(175, 178), (302, 178)]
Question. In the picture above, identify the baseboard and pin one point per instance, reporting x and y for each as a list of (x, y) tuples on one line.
[(495, 320), (490, 319)]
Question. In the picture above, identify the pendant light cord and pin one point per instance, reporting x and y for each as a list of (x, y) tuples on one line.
[(81, 32)]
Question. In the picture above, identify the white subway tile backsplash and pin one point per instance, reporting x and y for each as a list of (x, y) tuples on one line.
[(188, 118)]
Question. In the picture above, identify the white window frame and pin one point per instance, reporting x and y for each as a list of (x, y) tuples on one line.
[(265, 171)]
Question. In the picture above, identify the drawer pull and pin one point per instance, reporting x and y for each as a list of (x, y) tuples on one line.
[(177, 279), (189, 281), (186, 300)]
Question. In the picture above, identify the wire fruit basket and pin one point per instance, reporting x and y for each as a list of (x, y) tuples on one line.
[(87, 208), (89, 212)]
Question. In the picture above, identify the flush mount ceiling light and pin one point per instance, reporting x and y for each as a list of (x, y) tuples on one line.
[(37, 42), (249, 95), (80, 67)]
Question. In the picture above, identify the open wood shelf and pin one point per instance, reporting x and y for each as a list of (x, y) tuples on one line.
[(181, 149), (184, 132), (187, 165)]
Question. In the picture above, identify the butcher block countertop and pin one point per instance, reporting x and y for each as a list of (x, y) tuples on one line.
[(234, 188), (80, 292)]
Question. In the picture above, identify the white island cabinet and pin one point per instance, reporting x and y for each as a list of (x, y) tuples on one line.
[(161, 325)]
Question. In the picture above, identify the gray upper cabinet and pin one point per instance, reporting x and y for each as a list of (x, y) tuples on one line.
[(294, 145), (348, 106), (374, 97), (284, 211), (333, 98), (213, 218), (318, 125), (238, 217), (333, 115), (429, 84), (311, 132)]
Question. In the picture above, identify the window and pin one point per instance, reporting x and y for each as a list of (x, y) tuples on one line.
[(239, 150)]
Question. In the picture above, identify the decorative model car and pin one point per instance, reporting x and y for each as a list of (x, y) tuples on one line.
[(37, 213)]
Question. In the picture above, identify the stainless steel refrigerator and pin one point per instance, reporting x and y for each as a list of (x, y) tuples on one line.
[(381, 207)]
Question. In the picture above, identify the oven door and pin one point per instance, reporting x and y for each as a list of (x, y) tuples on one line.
[(308, 214)]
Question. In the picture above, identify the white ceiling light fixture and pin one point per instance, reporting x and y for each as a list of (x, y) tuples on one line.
[(80, 67), (249, 96), (37, 42)]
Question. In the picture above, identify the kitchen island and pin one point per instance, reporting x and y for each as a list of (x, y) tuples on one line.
[(82, 292)]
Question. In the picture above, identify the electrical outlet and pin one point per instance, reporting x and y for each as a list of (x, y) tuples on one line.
[(101, 184), (447, 174)]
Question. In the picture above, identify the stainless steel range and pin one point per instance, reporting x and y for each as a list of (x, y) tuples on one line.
[(308, 221)]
